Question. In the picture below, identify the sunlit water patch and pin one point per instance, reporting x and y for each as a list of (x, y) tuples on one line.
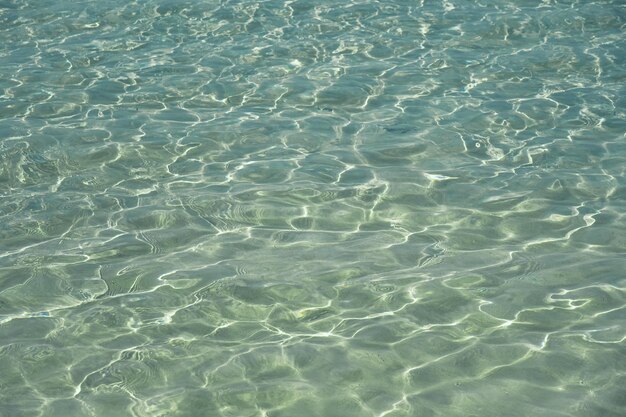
[(296, 208)]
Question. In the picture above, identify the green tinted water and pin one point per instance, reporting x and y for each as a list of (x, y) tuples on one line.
[(386, 209)]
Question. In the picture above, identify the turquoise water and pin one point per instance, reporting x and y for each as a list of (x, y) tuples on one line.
[(296, 208)]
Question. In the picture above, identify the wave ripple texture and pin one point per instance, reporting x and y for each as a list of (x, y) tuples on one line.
[(239, 208)]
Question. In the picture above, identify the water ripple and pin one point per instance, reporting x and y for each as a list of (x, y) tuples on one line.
[(280, 208)]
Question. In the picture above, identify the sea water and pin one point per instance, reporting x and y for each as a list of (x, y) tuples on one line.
[(293, 208)]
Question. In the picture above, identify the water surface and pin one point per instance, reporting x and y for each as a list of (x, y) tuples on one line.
[(295, 208)]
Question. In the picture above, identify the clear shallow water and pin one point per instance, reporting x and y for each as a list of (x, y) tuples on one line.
[(240, 208)]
